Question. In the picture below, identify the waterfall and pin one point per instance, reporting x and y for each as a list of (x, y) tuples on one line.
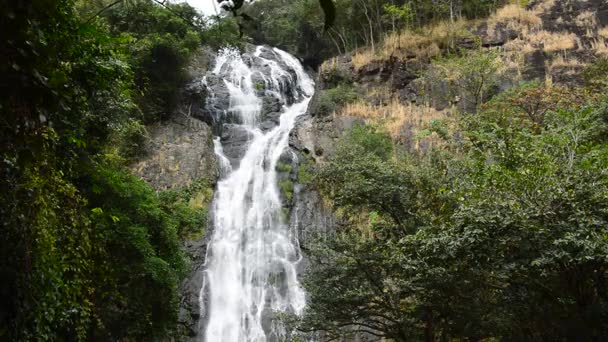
[(250, 270)]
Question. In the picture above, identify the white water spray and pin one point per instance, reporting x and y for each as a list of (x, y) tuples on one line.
[(252, 256)]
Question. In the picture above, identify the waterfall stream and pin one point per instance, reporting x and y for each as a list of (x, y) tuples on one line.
[(250, 270)]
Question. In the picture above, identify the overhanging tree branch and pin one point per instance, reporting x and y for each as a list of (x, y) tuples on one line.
[(160, 3)]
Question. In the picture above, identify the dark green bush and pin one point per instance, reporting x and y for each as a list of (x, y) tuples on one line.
[(331, 100), (137, 256), (500, 237), (596, 74)]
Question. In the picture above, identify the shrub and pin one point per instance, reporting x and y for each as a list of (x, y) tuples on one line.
[(331, 100), (473, 76), (596, 74), (189, 207), (133, 139)]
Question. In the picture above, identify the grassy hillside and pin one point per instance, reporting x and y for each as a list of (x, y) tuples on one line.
[(471, 200)]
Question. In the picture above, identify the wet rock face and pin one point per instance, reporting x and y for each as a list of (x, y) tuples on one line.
[(207, 98), (274, 90), (180, 152), (214, 103), (189, 308), (213, 110), (269, 87), (234, 140), (314, 140)]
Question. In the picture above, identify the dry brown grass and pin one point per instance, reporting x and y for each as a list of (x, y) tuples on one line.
[(603, 32), (328, 65), (515, 18), (543, 6), (526, 22), (553, 41), (401, 121), (522, 46), (412, 43), (565, 62), (514, 56), (427, 44), (515, 12), (588, 21), (363, 57), (600, 47), (379, 93)]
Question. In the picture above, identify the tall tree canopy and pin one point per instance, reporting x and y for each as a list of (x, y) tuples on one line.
[(499, 235), (87, 251)]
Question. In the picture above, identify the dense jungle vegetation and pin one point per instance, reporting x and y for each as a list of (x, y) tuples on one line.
[(297, 26), (498, 232), (88, 251), (496, 229)]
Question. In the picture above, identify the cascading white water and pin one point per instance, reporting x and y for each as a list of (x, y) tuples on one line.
[(252, 256)]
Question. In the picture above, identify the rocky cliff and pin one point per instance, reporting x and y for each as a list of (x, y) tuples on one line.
[(182, 152), (400, 87), (413, 79)]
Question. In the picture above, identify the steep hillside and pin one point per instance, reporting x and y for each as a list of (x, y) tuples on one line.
[(416, 77), (462, 171)]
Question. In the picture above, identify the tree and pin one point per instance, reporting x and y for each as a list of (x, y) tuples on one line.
[(87, 252), (502, 237), (472, 77)]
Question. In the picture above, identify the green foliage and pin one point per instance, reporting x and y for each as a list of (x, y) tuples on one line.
[(595, 74), (46, 270), (220, 32), (332, 99), (283, 167), (189, 207), (305, 170), (435, 126), (160, 43), (87, 252), (131, 140), (472, 77), (299, 27), (501, 238), (334, 77), (286, 186), (64, 87), (138, 258), (363, 174), (295, 26), (404, 14), (368, 140)]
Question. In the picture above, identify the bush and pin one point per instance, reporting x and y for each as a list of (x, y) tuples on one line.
[(501, 237), (331, 100), (189, 207), (138, 258), (221, 32), (133, 138), (472, 77), (595, 74), (333, 76), (160, 43)]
